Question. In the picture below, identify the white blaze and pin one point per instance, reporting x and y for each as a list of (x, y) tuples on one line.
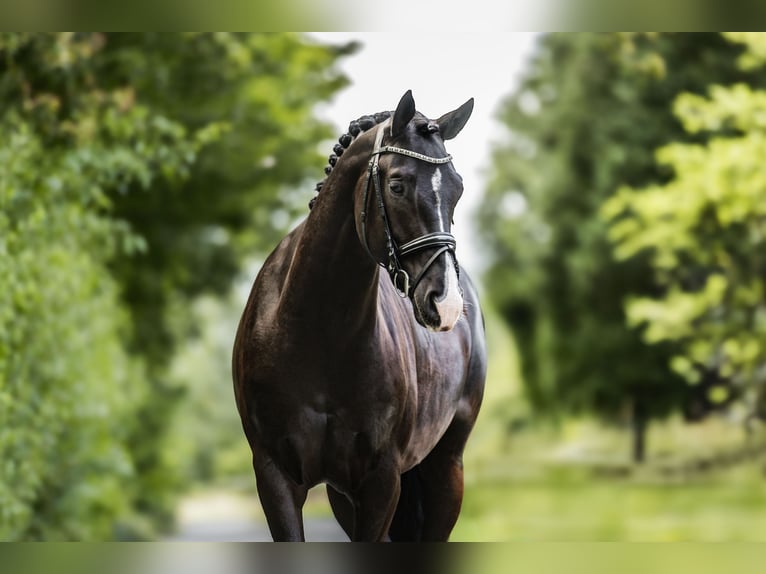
[(450, 306), (436, 185)]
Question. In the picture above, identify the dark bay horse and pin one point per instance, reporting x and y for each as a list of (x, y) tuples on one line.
[(369, 382)]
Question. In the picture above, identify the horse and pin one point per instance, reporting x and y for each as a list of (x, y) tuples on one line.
[(365, 381)]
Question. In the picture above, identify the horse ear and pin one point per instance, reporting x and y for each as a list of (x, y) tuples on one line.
[(405, 111), (452, 122)]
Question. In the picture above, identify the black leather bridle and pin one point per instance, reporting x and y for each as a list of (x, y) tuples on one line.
[(441, 240)]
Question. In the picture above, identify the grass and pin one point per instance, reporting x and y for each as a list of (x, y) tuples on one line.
[(728, 507)]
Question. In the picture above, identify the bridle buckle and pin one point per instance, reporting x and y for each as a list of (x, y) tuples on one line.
[(404, 289)]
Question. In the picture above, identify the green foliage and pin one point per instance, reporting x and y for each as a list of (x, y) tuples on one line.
[(704, 234), (136, 172), (721, 508), (217, 450), (585, 121), (238, 195), (67, 385)]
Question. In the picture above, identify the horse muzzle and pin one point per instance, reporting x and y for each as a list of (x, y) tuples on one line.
[(439, 304)]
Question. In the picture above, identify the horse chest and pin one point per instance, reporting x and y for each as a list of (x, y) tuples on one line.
[(324, 437), (342, 411)]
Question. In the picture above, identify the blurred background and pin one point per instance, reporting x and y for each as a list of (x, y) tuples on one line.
[(614, 216)]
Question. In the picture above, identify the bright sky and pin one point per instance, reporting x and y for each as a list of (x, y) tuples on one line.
[(443, 71)]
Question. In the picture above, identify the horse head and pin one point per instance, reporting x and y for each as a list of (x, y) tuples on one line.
[(404, 204)]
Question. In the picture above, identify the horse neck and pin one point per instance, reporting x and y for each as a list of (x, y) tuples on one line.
[(332, 278)]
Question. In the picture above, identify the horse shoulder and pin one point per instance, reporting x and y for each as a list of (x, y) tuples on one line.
[(258, 327)]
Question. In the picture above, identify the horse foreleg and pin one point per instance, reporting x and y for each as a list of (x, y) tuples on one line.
[(441, 473), (342, 509), (442, 498), (282, 501), (375, 502)]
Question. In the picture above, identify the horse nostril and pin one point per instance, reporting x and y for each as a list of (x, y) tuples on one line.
[(434, 298)]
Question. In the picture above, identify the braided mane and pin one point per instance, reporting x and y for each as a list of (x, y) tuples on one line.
[(355, 128)]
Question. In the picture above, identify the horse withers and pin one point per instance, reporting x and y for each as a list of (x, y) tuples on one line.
[(368, 382)]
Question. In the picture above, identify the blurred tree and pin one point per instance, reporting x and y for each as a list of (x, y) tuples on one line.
[(68, 388), (704, 233), (136, 172), (260, 90), (583, 122), (257, 93)]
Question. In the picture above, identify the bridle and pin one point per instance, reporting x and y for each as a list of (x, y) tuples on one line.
[(441, 240)]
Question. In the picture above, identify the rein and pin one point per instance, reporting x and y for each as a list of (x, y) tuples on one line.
[(443, 241)]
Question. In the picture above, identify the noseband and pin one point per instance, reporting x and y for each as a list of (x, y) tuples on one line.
[(441, 240)]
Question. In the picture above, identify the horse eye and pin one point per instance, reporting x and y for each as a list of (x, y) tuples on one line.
[(396, 187)]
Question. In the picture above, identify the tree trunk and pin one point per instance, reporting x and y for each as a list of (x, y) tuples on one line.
[(640, 424)]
